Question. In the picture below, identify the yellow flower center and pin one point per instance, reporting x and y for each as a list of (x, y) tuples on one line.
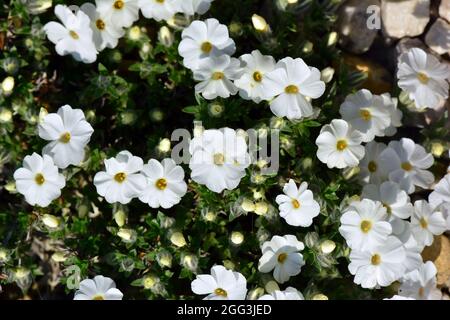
[(376, 259), (366, 225), (291, 89), (388, 209), (218, 76), (120, 177), (39, 178), (423, 223), (257, 76), (100, 24), (160, 1), (98, 297), (161, 184), (341, 145), (295, 203), (74, 35), (220, 292), (282, 257), (372, 166), (219, 159), (365, 114), (423, 78), (118, 4), (206, 47), (407, 166), (65, 137)]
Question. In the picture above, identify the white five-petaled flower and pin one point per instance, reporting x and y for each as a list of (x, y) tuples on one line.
[(191, 7), (297, 205), (420, 284), (251, 83), (364, 224), (426, 223), (395, 200), (165, 184), (289, 294), (100, 288), (219, 159), (371, 170), (291, 86), (423, 77), (204, 39), (215, 75), (122, 180), (73, 36), (121, 12), (379, 265), (407, 164), (69, 132), (221, 284), (105, 31), (281, 254), (158, 9), (366, 113), (441, 193), (39, 180), (339, 145)]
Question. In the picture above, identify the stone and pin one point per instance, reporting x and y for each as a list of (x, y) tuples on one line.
[(438, 37), (353, 19), (407, 43), (404, 18), (439, 254), (444, 9)]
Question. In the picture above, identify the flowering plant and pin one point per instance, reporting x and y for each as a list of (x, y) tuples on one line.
[(134, 157)]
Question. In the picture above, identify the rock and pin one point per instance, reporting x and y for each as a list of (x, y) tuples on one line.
[(439, 254), (444, 9), (404, 18), (407, 43), (353, 25), (438, 37)]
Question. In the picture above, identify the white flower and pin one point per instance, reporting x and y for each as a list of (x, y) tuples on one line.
[(215, 75), (297, 206), (407, 164), (39, 180), (441, 193), (204, 39), (293, 84), (222, 284), (395, 200), (288, 294), (397, 297), (413, 249), (73, 36), (423, 77), (158, 9), (165, 184), (191, 7), (105, 31), (281, 254), (339, 145), (69, 132), (122, 181), (426, 223), (364, 225), (366, 113), (121, 12), (371, 169), (101, 288), (396, 114), (251, 82), (379, 265), (420, 284), (219, 159)]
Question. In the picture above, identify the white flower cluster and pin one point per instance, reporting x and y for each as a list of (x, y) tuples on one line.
[(89, 29), (288, 85), (39, 180)]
